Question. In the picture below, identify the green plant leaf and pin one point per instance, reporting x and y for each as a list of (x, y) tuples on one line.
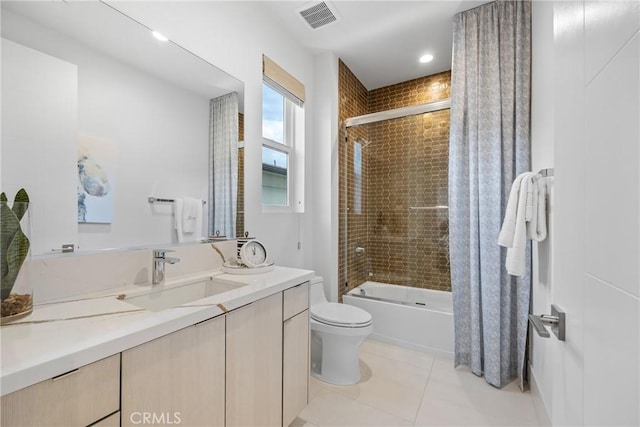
[(16, 255), (14, 245), (20, 203)]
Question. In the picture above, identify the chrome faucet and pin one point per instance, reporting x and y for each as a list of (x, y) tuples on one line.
[(159, 260)]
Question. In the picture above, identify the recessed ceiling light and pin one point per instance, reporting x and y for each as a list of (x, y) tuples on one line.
[(159, 36), (426, 58)]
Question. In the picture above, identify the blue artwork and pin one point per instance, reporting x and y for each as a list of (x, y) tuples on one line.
[(96, 179)]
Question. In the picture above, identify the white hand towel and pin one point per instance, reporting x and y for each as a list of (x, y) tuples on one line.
[(537, 224), (525, 218), (191, 214), (515, 262), (507, 232), (177, 215)]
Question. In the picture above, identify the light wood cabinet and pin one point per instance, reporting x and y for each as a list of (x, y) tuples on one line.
[(77, 398), (295, 375), (254, 364), (176, 379), (249, 367), (296, 300), (111, 421)]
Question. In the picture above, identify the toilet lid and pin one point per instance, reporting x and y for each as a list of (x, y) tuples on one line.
[(336, 314)]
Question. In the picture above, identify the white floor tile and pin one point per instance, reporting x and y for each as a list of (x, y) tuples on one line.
[(330, 409), (412, 357), (435, 412), (508, 406), (400, 387), (394, 387), (351, 391)]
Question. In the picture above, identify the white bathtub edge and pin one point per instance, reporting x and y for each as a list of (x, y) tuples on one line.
[(419, 329)]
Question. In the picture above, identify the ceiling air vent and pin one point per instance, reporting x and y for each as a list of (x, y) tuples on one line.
[(317, 14)]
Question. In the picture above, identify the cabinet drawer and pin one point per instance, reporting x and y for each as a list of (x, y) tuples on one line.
[(296, 300), (78, 398)]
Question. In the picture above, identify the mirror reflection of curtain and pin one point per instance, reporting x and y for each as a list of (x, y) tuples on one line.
[(223, 172)]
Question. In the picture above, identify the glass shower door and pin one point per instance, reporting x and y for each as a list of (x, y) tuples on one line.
[(397, 215)]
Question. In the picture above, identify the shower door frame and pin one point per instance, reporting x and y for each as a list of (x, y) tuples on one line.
[(365, 119)]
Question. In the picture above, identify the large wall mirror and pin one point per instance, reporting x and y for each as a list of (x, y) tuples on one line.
[(94, 105)]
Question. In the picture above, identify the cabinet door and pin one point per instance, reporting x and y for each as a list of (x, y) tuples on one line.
[(296, 300), (176, 379), (295, 380), (77, 398), (254, 364), (111, 421)]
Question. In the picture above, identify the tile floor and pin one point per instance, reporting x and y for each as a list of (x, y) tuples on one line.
[(401, 387)]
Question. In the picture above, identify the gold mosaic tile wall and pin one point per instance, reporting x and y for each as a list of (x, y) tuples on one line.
[(411, 92), (404, 165), (240, 197)]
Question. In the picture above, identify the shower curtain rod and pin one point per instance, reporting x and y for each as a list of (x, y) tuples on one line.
[(396, 113)]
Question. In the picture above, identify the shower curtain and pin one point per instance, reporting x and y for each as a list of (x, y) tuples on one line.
[(489, 146), (223, 164)]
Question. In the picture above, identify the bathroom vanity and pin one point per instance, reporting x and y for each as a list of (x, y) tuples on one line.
[(236, 358)]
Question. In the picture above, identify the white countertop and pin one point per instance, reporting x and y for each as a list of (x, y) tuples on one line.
[(64, 335)]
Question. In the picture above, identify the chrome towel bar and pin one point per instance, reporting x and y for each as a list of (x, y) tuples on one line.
[(544, 173), (152, 199), (426, 208)]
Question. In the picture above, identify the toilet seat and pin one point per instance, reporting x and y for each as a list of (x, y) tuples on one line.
[(341, 315)]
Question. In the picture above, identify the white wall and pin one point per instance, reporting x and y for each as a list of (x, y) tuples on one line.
[(233, 36), (39, 132), (160, 131), (542, 145), (593, 378), (325, 178), (162, 136)]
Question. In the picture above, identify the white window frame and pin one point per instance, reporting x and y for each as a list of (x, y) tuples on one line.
[(293, 146)]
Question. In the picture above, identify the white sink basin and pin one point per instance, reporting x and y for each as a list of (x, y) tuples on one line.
[(164, 296)]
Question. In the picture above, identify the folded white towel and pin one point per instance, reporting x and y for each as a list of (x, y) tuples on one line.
[(191, 214), (537, 223), (525, 217), (505, 238), (177, 215), (516, 254)]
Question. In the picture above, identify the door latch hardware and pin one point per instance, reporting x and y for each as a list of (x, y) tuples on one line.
[(556, 321)]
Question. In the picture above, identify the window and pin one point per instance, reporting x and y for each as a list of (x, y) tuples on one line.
[(275, 184), (282, 142), (272, 114)]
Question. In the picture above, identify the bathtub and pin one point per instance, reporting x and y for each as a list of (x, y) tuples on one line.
[(419, 319)]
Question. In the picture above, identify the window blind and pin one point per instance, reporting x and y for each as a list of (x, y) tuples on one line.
[(283, 82)]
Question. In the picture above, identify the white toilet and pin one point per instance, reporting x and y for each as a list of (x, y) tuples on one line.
[(337, 330)]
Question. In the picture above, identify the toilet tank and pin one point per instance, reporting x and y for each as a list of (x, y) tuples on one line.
[(316, 291)]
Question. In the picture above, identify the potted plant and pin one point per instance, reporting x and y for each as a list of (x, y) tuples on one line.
[(17, 296)]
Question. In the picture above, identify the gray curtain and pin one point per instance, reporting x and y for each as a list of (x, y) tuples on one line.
[(489, 147), (223, 170)]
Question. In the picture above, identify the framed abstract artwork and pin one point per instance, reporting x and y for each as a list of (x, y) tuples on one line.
[(97, 161)]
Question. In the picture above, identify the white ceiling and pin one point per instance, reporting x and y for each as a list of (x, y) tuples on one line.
[(380, 41)]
